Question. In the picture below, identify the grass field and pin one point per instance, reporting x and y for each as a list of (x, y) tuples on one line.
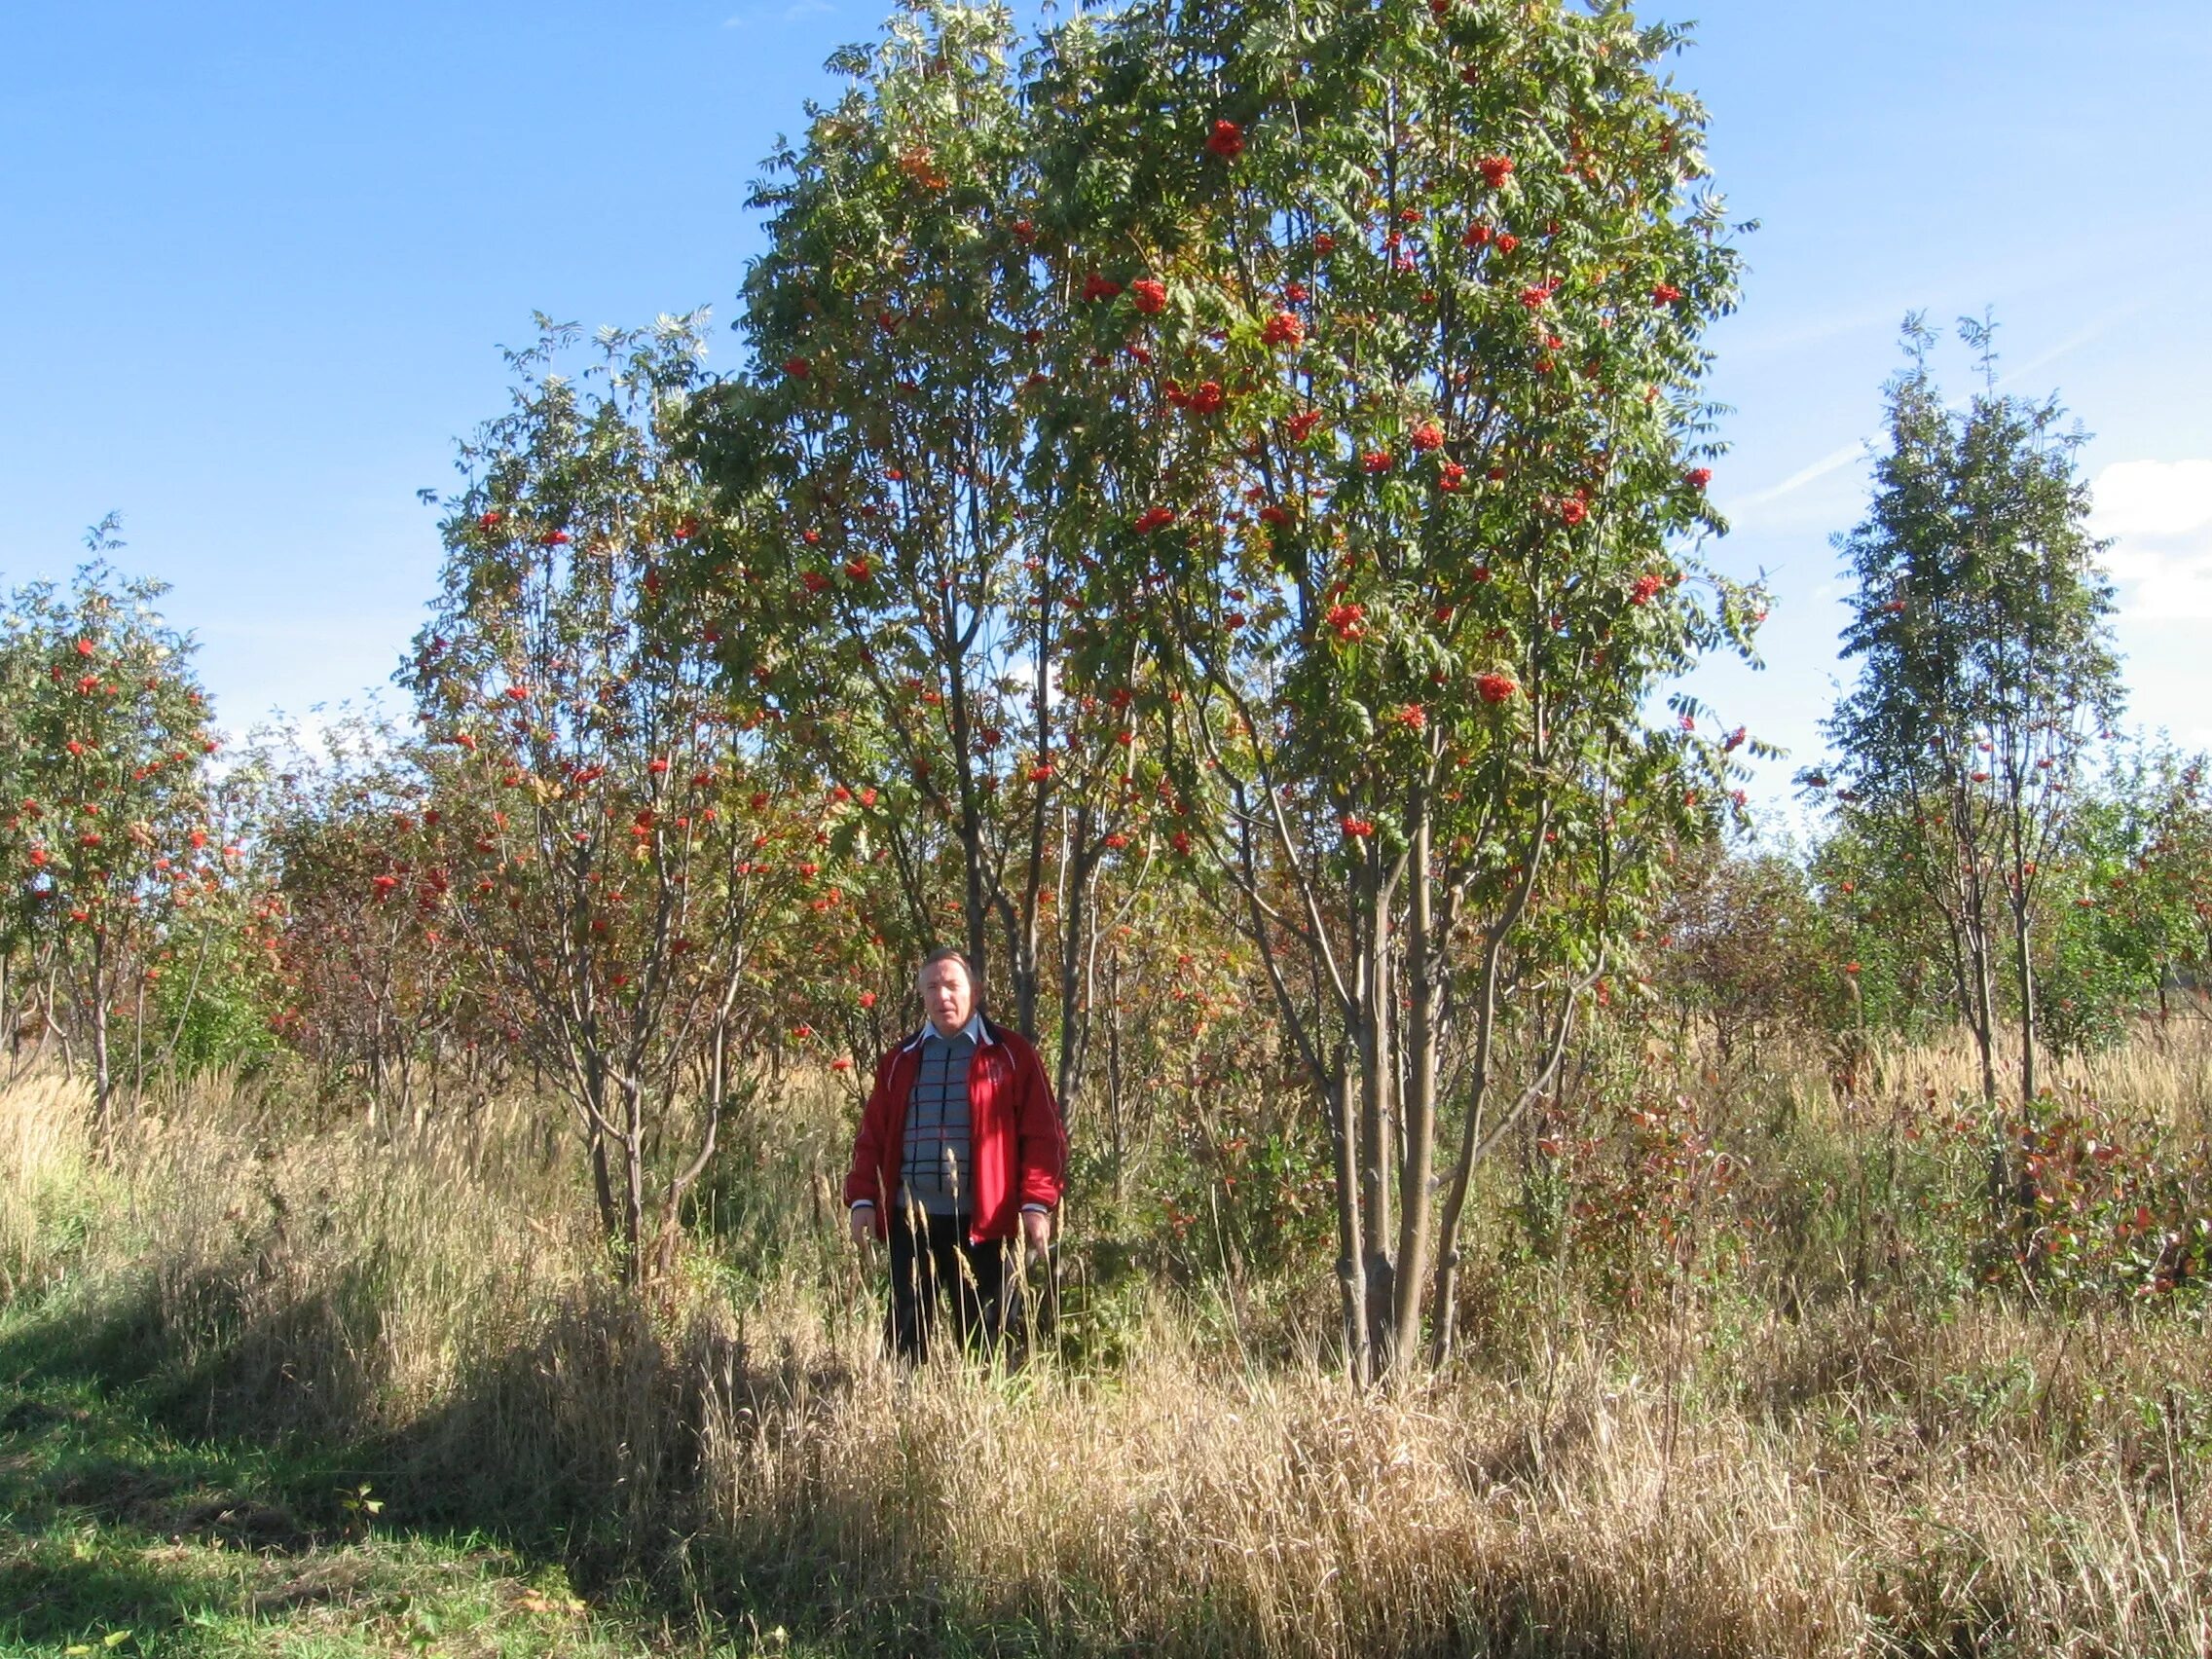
[(264, 1390)]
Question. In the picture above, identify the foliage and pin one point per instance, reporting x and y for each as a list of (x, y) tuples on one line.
[(598, 824), (2131, 916), (107, 821), (1743, 947), (1980, 624), (1373, 398)]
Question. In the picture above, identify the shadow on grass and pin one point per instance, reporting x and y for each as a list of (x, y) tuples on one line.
[(139, 1495)]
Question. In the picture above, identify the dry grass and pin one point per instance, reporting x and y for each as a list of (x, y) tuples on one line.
[(1710, 1477), (1984, 1487), (45, 1179)]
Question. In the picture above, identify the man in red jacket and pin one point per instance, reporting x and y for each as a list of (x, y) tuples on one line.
[(960, 1151)]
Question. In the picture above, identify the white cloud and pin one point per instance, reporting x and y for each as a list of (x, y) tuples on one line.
[(2159, 515), (1834, 461)]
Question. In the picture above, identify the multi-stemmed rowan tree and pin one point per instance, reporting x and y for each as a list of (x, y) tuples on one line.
[(1980, 622), (1387, 330), (599, 826), (873, 472)]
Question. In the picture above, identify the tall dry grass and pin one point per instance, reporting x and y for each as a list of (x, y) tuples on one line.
[(47, 1187), (1711, 1474)]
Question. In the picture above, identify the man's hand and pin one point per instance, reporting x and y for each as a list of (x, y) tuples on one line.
[(1037, 1230), (863, 1224)]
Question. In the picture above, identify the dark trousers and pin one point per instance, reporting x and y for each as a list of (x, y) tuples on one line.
[(937, 1275)]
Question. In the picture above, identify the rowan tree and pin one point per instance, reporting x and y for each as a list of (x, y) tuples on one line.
[(1381, 418), (601, 830), (1981, 627), (107, 817), (876, 493), (383, 993), (2128, 910)]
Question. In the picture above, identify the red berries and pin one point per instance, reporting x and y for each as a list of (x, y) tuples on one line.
[(1348, 620), (1413, 717), (1698, 477), (798, 368), (1097, 287), (859, 570), (1375, 461), (1324, 243), (1153, 518), (1226, 140), (1646, 589), (1428, 435), (1301, 427), (1574, 510), (1149, 295), (1496, 687), (1355, 829), (1285, 328), (1665, 294), (1495, 169), (1274, 517), (1451, 477)]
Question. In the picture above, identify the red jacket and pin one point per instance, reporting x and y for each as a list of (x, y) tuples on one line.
[(1018, 1147)]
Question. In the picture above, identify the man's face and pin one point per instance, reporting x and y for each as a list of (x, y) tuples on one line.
[(946, 996)]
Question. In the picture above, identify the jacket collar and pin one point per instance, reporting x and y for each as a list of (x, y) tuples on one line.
[(977, 1031)]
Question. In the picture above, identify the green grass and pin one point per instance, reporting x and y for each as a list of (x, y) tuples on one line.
[(120, 1535)]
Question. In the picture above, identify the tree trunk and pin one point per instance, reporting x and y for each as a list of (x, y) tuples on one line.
[(1376, 1074), (1077, 961), (1351, 1265), (2023, 965), (633, 1184), (1420, 1108), (595, 1139), (1985, 1042), (103, 1084), (1443, 1317)]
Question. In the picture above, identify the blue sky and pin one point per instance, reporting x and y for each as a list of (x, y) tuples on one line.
[(255, 261)]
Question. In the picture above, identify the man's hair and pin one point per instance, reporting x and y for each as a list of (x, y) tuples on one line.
[(946, 953)]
